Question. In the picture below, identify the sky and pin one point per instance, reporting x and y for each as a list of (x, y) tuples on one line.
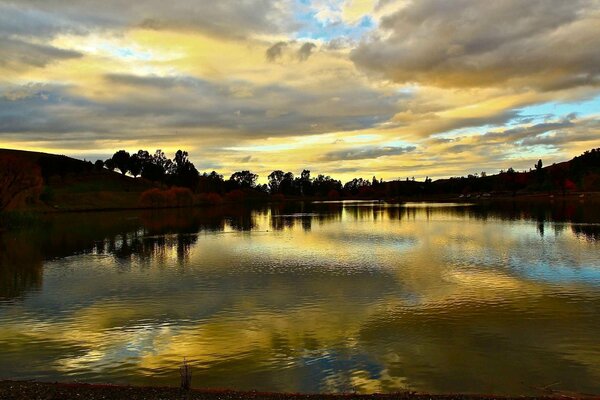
[(347, 88)]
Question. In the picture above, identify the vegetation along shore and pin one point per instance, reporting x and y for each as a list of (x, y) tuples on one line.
[(31, 181)]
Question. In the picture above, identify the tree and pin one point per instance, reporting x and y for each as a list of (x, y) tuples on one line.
[(244, 179), (538, 165), (99, 165), (135, 165), (275, 179), (305, 183), (287, 186), (121, 159), (110, 164), (324, 185), (159, 158), (183, 171), (153, 172)]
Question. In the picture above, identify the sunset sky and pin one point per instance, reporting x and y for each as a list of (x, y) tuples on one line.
[(342, 87)]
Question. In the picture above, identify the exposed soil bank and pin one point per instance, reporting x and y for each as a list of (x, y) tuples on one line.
[(12, 390)]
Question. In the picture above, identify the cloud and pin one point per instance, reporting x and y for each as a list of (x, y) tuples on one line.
[(305, 51), (231, 19), (366, 153), (16, 54), (136, 107), (526, 132), (275, 52), (546, 44)]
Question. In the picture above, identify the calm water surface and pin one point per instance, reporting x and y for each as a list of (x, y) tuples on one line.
[(324, 297)]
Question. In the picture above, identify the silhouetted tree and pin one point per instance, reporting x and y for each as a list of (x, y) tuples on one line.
[(135, 165), (159, 158), (99, 165), (153, 172), (275, 179), (183, 171), (212, 182), (244, 179), (355, 185), (304, 183), (324, 185), (110, 164), (287, 186), (121, 159)]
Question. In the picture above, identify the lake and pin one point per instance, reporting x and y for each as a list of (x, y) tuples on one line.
[(313, 297)]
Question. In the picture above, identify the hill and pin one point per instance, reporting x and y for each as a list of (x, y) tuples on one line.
[(49, 182), (44, 182)]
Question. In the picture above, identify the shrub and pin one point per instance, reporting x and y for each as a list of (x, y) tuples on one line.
[(180, 197), (20, 182), (153, 198), (209, 198), (236, 196), (173, 197)]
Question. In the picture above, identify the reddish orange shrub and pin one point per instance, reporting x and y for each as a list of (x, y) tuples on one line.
[(20, 182), (210, 198), (236, 196), (173, 197), (180, 197), (153, 198)]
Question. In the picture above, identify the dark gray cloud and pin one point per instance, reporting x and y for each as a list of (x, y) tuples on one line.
[(548, 44), (305, 51), (515, 135), (223, 18), (365, 153), (16, 53), (196, 107), (275, 52)]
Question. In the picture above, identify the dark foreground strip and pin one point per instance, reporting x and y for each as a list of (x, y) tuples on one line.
[(13, 390)]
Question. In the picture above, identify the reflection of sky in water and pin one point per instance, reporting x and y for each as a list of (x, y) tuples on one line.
[(314, 298)]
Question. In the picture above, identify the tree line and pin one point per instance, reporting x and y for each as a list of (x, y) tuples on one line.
[(581, 173)]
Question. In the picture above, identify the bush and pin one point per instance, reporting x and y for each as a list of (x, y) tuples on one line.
[(20, 182), (180, 197), (236, 196), (173, 197), (209, 199), (153, 198)]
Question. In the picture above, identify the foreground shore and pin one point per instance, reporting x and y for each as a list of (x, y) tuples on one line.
[(19, 390)]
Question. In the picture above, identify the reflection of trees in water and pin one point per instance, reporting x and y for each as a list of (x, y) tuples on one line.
[(304, 215), (155, 235), (21, 267), (137, 245), (589, 232)]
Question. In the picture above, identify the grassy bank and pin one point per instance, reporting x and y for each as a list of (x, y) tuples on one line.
[(11, 390)]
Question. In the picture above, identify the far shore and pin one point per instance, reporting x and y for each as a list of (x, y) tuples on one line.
[(29, 390), (476, 198)]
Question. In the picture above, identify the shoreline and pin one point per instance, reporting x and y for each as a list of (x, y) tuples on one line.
[(33, 390), (450, 198)]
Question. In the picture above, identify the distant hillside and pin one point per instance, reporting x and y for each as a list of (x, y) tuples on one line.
[(581, 174), (44, 182)]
